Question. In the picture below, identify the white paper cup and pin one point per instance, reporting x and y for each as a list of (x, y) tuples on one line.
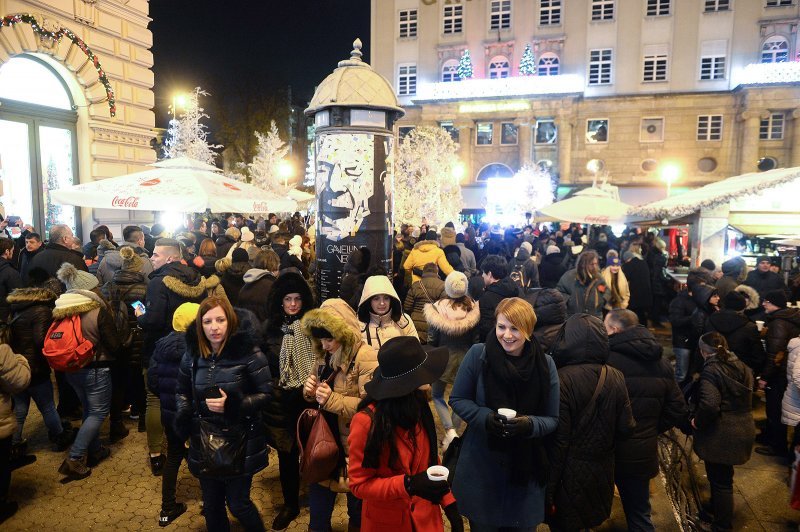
[(438, 473), (507, 413), (759, 325)]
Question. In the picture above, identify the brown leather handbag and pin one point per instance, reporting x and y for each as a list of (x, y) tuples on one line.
[(319, 451)]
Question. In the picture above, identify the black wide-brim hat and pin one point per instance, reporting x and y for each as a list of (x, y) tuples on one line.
[(403, 366)]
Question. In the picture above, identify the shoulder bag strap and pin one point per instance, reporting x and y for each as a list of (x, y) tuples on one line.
[(587, 410), (426, 292)]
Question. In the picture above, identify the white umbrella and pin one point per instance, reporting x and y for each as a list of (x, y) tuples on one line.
[(177, 185), (300, 195), (589, 206)]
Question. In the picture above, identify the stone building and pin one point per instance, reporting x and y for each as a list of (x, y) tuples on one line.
[(619, 88), (76, 100)]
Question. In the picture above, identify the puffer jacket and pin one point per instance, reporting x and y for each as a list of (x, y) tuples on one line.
[(15, 374), (31, 316), (790, 407), (454, 328), (622, 287), (551, 313), (742, 336), (639, 280), (97, 323), (656, 400), (725, 431), (782, 325), (764, 282), (241, 371), (427, 290), (491, 297), (112, 261), (377, 329), (162, 376), (355, 359), (581, 483), (254, 294), (426, 251), (128, 286), (588, 299)]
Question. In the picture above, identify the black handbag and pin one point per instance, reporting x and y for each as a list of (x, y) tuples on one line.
[(450, 456)]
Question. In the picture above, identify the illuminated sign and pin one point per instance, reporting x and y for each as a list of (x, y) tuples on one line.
[(500, 88), (762, 73), (493, 107)]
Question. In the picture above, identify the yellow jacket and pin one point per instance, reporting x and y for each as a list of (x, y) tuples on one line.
[(424, 252)]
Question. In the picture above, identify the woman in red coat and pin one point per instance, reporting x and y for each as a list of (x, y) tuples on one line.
[(388, 465)]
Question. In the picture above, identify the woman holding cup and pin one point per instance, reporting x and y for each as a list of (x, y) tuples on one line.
[(393, 460), (502, 468)]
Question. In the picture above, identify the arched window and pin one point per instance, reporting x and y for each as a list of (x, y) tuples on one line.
[(499, 67), (775, 50), (27, 80), (548, 64), (450, 71), (495, 170)]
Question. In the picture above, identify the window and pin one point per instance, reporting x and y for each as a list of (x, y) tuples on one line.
[(403, 131), (499, 67), (602, 9), (450, 71), (772, 127), (717, 5), (709, 127), (655, 68), (596, 130), (550, 12), (780, 3), (600, 67), (407, 80), (775, 50), (546, 132), (656, 8), (508, 133), (712, 68), (483, 133), (408, 23), (500, 16), (548, 64), (451, 129), (452, 19)]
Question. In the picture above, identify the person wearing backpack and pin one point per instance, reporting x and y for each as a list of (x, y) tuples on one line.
[(523, 268), (428, 289), (92, 320)]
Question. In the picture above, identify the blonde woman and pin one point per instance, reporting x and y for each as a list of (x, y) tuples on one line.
[(619, 294)]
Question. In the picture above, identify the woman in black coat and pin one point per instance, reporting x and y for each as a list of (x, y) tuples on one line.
[(551, 313), (594, 414), (232, 274), (741, 334), (224, 383), (724, 431), (258, 282)]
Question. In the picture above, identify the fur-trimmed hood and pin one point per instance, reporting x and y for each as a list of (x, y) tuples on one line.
[(22, 298), (287, 283), (452, 321), (76, 302), (185, 285), (239, 345), (750, 294), (339, 319)]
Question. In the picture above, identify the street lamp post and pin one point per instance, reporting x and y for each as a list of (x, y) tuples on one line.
[(285, 171), (669, 174), (178, 99)]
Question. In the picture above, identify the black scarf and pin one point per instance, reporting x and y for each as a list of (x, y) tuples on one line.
[(525, 388)]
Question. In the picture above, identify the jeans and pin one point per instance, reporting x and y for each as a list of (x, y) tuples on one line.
[(480, 527), (42, 395), (93, 388), (635, 496), (682, 355), (176, 453), (720, 476), (68, 402), (290, 477), (321, 501), (236, 492), (449, 420)]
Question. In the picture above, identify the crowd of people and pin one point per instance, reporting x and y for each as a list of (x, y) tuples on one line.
[(558, 386)]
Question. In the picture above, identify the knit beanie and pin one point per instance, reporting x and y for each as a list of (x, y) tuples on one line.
[(184, 316), (552, 250), (103, 246), (431, 235), (295, 246), (455, 285), (75, 279), (776, 297), (733, 300), (240, 255), (528, 246), (130, 260), (448, 236), (247, 234), (709, 265)]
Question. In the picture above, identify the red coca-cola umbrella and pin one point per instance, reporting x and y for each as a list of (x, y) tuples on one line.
[(176, 185)]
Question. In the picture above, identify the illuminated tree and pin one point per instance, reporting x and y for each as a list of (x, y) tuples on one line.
[(187, 135), (527, 65), (536, 189), (465, 65), (263, 169)]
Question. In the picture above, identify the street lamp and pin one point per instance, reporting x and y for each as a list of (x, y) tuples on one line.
[(459, 170), (177, 100), (285, 171), (670, 173)]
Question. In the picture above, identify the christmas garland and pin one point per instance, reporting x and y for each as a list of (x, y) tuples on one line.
[(57, 35)]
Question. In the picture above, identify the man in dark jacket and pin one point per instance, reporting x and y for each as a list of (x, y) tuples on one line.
[(681, 309), (657, 405), (551, 269), (732, 274), (58, 251), (9, 277), (523, 268), (763, 280), (638, 275), (258, 282), (782, 324), (499, 286), (740, 333), (33, 246)]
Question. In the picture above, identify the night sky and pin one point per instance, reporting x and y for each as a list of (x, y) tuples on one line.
[(273, 43)]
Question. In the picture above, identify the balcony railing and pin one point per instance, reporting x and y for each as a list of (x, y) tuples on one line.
[(765, 73)]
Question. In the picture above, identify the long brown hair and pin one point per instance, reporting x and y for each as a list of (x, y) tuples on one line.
[(714, 342), (207, 304), (207, 248), (584, 266)]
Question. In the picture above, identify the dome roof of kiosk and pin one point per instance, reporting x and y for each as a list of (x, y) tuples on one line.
[(354, 84)]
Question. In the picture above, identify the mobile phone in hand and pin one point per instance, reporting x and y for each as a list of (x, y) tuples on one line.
[(138, 305), (214, 393)]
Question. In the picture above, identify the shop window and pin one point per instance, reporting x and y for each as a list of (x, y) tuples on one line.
[(508, 133), (775, 50), (548, 64), (707, 164), (772, 127), (546, 132), (596, 130), (483, 133)]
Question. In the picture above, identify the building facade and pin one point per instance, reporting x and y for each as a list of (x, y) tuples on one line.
[(76, 105), (617, 88)]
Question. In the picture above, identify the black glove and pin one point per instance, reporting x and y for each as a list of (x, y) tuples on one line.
[(456, 523), (518, 426), (495, 425), (421, 486)]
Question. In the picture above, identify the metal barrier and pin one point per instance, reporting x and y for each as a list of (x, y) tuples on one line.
[(677, 466)]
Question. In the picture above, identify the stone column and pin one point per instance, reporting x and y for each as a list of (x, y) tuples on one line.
[(795, 138), (466, 139), (748, 154), (524, 140), (565, 132)]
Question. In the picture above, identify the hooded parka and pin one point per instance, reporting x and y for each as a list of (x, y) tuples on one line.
[(426, 251), (377, 329), (31, 316), (742, 337), (551, 313)]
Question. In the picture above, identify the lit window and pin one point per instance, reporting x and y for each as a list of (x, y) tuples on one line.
[(452, 19), (546, 132), (656, 8), (596, 130), (408, 23), (508, 133), (709, 127), (600, 67), (500, 16), (772, 127), (548, 64), (483, 133), (775, 50), (717, 5), (602, 9), (450, 71), (655, 68), (451, 129), (550, 12), (27, 80), (499, 67), (407, 80), (712, 67), (780, 3)]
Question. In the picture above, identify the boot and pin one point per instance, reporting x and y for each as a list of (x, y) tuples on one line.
[(166, 517), (98, 456), (64, 440), (19, 456), (7, 509), (285, 518), (75, 468), (117, 432)]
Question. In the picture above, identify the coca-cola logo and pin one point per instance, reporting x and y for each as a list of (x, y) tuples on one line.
[(260, 206), (597, 220), (131, 202), (232, 187), (150, 182)]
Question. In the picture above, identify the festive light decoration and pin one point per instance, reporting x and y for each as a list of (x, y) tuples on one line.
[(513, 87), (264, 168), (527, 65), (536, 188), (494, 107), (56, 34), (425, 182), (465, 66), (188, 136), (765, 73)]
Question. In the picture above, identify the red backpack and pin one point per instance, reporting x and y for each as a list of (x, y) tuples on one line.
[(65, 348)]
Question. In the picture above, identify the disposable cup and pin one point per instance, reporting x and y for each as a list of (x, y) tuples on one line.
[(759, 325), (507, 413), (438, 473)]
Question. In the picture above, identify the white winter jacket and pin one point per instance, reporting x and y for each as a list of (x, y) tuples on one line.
[(790, 408)]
